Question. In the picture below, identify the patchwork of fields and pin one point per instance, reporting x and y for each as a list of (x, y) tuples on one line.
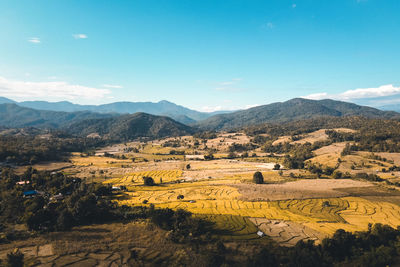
[(290, 206)]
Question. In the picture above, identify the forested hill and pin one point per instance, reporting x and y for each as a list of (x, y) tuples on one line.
[(14, 116), (161, 108), (294, 109), (128, 127)]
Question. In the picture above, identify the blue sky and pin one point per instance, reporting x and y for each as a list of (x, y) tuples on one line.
[(206, 55)]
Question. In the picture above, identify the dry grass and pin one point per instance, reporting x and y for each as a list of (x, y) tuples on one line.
[(302, 189)]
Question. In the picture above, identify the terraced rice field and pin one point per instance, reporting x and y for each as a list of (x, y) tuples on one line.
[(233, 227), (163, 176), (285, 211), (287, 233)]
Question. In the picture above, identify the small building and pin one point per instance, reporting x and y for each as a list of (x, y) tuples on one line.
[(30, 193), (116, 188), (57, 197), (260, 233), (23, 182)]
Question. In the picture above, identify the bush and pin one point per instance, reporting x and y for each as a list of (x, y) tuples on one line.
[(15, 259), (258, 178), (148, 181), (277, 166)]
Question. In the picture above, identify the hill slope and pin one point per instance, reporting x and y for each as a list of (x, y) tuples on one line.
[(165, 108), (12, 115), (127, 127), (294, 109)]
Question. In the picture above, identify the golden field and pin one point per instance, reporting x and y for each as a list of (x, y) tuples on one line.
[(290, 206)]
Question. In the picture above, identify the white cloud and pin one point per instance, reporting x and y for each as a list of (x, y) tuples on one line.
[(80, 36), (317, 96), (227, 85), (360, 93), (268, 25), (53, 90), (115, 86), (35, 40), (219, 108), (211, 109)]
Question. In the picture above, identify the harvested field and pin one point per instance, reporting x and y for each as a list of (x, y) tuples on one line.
[(45, 166), (313, 137), (302, 189), (287, 233), (335, 148), (282, 140)]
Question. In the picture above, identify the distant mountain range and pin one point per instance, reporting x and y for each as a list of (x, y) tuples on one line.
[(294, 109), (111, 126), (15, 116), (164, 108), (125, 126)]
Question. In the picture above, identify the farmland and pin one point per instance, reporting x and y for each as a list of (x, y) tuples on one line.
[(291, 205)]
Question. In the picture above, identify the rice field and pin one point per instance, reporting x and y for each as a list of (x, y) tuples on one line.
[(160, 176)]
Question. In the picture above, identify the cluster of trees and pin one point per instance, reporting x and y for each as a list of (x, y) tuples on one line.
[(373, 135), (241, 147), (33, 149), (81, 204)]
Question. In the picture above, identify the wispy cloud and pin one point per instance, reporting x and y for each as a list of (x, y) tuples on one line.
[(360, 93), (80, 36), (228, 85), (53, 90), (35, 40), (226, 108), (115, 86), (294, 6), (268, 25)]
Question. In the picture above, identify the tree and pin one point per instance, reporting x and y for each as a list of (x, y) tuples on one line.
[(148, 181), (258, 178), (15, 259), (65, 221), (277, 166)]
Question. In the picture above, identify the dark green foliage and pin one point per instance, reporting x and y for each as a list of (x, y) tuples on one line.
[(375, 247), (31, 149), (15, 259), (258, 178), (264, 258), (12, 115), (277, 166), (149, 181), (128, 127), (182, 226), (292, 110)]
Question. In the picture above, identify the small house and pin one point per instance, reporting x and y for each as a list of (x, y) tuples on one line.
[(260, 233), (23, 182), (30, 193), (57, 197)]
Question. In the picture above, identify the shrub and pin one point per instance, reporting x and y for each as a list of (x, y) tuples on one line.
[(15, 259), (258, 178), (148, 181), (277, 166)]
